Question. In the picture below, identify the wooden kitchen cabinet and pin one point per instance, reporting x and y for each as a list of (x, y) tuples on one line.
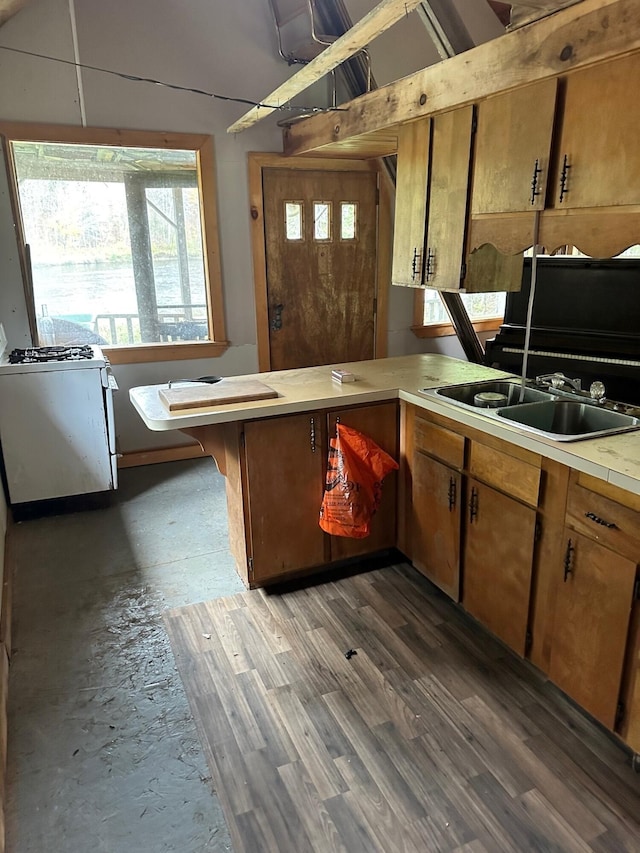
[(498, 561), (436, 501), (511, 166), (598, 142), (276, 471), (380, 423), (595, 182), (447, 212), (285, 463), (596, 626), (411, 203), (591, 625)]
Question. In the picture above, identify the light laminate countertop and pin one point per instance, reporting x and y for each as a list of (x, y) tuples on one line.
[(614, 458)]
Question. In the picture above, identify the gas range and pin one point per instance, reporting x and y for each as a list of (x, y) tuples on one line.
[(37, 355), (42, 359)]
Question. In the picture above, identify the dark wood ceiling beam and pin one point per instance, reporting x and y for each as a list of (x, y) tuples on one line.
[(589, 32)]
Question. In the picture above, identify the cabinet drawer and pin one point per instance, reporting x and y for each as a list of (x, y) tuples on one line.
[(513, 476), (440, 442), (605, 521)]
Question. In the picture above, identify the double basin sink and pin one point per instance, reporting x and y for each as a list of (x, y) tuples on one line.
[(559, 415)]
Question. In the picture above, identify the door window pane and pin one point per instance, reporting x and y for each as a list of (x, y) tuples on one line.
[(322, 220), (293, 222), (348, 220), (116, 243)]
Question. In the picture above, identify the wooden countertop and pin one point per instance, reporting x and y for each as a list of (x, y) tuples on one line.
[(614, 458)]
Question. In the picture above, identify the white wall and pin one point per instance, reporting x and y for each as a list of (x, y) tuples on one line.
[(224, 46)]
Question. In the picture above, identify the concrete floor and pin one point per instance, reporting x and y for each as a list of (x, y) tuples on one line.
[(103, 752)]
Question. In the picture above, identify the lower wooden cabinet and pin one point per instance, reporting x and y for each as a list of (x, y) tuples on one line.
[(498, 560), (279, 485), (435, 522), (380, 423), (285, 463), (591, 624)]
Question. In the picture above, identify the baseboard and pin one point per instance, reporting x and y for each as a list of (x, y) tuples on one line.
[(163, 454)]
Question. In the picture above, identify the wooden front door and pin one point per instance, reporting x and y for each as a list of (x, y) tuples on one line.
[(320, 243)]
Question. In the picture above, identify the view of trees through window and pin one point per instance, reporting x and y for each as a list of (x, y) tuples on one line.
[(115, 243)]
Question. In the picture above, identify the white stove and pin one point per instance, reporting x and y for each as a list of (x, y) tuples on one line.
[(56, 421)]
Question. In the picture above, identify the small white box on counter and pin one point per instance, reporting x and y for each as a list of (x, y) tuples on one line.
[(342, 376)]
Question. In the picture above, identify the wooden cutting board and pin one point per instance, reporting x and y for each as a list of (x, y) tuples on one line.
[(225, 391)]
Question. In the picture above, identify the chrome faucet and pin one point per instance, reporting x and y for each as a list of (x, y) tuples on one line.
[(559, 381)]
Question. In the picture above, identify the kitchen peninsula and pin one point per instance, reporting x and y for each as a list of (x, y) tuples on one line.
[(538, 540)]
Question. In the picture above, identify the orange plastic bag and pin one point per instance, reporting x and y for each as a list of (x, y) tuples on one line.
[(353, 488)]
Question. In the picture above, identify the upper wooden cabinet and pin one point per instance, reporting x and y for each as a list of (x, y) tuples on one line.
[(597, 159), (511, 166), (411, 202), (447, 210), (433, 180), (594, 195)]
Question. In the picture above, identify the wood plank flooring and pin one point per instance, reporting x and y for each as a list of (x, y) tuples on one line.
[(433, 737)]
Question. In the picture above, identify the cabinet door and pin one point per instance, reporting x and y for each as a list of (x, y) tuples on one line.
[(435, 522), (285, 467), (599, 138), (498, 558), (381, 424), (591, 623), (411, 203), (449, 184), (512, 148)]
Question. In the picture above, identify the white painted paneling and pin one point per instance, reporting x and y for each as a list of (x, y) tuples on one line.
[(54, 434)]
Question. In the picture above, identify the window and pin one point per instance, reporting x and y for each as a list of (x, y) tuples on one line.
[(348, 220), (293, 220), (322, 220), (122, 240), (480, 307)]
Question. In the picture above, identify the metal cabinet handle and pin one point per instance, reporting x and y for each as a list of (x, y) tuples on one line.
[(473, 505), (563, 177), (312, 434), (534, 182), (429, 268), (416, 265), (568, 560), (452, 494), (610, 524)]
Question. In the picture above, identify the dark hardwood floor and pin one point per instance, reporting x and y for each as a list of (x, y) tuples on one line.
[(433, 737)]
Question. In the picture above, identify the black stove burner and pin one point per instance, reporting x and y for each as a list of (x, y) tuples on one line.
[(35, 355)]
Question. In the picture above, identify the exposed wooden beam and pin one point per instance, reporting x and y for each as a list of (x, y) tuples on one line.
[(8, 8), (373, 24), (580, 35)]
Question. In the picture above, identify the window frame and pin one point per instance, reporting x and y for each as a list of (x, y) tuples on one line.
[(203, 147)]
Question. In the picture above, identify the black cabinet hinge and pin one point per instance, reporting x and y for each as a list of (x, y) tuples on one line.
[(375, 306), (537, 530), (242, 439), (528, 642), (463, 272), (250, 563), (620, 711), (474, 121), (636, 589)]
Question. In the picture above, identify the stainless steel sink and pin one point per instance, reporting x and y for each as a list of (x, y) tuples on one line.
[(557, 414), (568, 420), (464, 395)]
